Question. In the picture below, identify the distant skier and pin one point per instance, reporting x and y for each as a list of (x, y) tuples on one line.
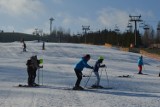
[(96, 69), (140, 64), (32, 65), (24, 46), (78, 70), (43, 46)]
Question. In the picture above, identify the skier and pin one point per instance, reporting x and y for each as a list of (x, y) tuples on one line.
[(24, 46), (140, 64), (43, 46), (78, 70), (96, 69), (32, 65)]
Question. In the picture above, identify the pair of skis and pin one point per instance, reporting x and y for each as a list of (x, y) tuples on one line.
[(89, 89)]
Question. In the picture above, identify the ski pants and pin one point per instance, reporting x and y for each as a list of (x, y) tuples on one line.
[(79, 77), (140, 68), (31, 76), (24, 49), (98, 78)]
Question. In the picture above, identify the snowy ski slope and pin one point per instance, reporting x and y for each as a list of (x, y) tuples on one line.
[(58, 74)]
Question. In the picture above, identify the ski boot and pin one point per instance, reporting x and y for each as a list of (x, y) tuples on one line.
[(35, 84), (100, 86), (78, 88), (94, 86)]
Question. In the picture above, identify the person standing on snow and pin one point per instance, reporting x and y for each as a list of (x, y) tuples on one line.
[(24, 46), (32, 65), (140, 64), (96, 69), (43, 46), (78, 70)]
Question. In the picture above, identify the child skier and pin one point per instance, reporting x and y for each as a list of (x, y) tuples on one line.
[(78, 70), (96, 69), (140, 64), (32, 66)]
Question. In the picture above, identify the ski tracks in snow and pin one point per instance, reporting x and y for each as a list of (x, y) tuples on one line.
[(36, 97), (4, 97), (75, 99), (7, 98), (60, 98)]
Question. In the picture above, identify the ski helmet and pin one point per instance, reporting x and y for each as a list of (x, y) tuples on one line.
[(41, 61), (101, 58)]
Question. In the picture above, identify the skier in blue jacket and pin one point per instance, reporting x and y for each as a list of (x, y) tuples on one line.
[(78, 70), (140, 64)]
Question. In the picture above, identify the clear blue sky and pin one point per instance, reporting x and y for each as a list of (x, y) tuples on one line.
[(28, 15)]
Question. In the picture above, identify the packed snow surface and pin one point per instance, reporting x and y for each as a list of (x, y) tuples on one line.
[(58, 75)]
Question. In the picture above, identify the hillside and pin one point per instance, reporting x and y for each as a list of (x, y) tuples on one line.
[(58, 75)]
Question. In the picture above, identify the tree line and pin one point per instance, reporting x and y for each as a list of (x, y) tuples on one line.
[(100, 37), (97, 38)]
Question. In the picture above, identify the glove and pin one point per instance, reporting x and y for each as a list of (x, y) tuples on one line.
[(41, 66), (105, 66)]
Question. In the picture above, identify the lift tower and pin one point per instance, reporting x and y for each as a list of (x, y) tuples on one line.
[(135, 19), (85, 29)]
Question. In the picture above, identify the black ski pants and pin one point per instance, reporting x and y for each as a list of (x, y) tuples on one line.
[(31, 76), (79, 77)]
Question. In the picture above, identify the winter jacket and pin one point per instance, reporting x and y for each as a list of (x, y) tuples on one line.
[(32, 66), (97, 66), (140, 61), (82, 64)]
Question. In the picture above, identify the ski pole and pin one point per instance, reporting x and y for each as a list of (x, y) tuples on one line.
[(88, 79), (42, 76), (41, 62), (101, 75), (38, 75), (107, 77)]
